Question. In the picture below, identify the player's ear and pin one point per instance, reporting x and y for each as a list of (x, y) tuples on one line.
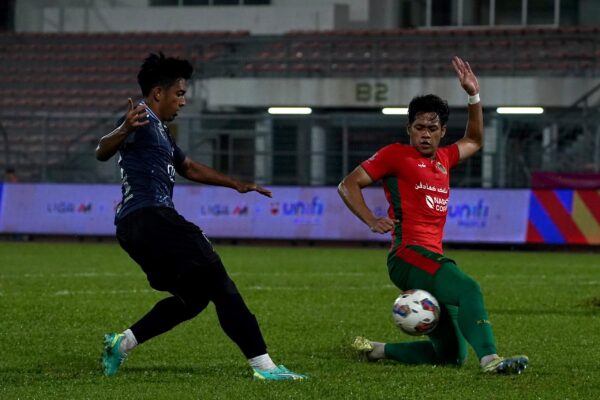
[(408, 129), (443, 131), (157, 93)]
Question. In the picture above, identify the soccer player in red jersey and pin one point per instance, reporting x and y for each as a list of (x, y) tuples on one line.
[(416, 182)]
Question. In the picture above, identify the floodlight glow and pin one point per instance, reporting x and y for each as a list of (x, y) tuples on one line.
[(290, 110), (520, 110), (395, 110)]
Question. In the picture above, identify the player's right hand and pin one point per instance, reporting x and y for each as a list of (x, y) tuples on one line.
[(136, 116), (383, 225), (465, 74)]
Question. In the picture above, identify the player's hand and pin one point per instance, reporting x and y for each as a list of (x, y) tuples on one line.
[(467, 78), (136, 116), (245, 187), (383, 225)]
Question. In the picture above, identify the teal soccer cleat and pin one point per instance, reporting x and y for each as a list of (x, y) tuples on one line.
[(508, 365), (112, 356), (279, 373)]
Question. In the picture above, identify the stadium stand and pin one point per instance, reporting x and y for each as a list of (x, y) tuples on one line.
[(496, 51), (54, 87), (52, 76), (73, 68)]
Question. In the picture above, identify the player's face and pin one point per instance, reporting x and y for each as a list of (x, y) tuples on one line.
[(173, 100), (426, 132)]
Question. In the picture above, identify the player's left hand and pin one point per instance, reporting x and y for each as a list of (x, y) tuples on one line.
[(245, 187), (467, 78)]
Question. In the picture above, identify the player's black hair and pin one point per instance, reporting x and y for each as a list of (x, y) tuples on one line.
[(158, 70), (428, 103)]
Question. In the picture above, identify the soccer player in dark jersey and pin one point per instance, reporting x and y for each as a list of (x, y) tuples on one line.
[(174, 253), (416, 181)]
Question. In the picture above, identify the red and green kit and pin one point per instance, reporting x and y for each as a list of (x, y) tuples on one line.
[(417, 189)]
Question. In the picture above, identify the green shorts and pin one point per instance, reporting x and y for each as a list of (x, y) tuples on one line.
[(413, 267)]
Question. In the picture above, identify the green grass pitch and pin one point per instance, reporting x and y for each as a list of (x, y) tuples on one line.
[(58, 299)]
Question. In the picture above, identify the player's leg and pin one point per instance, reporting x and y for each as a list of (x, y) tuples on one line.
[(452, 286), (164, 316), (157, 243), (441, 277), (419, 268), (148, 241), (445, 345), (449, 342), (455, 287), (236, 320)]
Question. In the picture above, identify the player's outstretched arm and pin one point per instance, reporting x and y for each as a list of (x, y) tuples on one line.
[(204, 174), (471, 142), (109, 144), (350, 190)]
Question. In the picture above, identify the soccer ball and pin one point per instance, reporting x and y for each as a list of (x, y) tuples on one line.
[(416, 312)]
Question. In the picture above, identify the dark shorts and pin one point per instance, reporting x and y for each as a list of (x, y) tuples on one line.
[(170, 249)]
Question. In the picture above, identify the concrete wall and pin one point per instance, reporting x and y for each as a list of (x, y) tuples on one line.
[(257, 20), (332, 92), (589, 12), (134, 15), (281, 16)]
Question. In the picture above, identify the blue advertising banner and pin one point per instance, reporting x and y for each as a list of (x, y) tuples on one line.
[(1, 190), (487, 216), (304, 213), (59, 209)]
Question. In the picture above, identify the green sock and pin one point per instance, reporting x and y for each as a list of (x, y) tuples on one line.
[(419, 352)]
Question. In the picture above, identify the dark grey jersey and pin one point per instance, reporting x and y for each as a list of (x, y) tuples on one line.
[(148, 159)]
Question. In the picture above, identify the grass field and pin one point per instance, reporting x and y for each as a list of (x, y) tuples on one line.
[(57, 300)]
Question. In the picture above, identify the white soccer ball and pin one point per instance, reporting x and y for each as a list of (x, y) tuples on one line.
[(416, 312)]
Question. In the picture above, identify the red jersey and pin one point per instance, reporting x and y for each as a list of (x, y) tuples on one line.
[(417, 189)]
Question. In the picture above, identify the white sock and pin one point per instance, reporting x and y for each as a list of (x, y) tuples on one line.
[(128, 342), (378, 352), (485, 360), (263, 362)]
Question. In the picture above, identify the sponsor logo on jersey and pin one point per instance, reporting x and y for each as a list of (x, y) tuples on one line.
[(431, 188), (421, 164), (442, 169), (436, 203)]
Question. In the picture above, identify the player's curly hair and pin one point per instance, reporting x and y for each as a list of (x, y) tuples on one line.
[(158, 70), (428, 103)]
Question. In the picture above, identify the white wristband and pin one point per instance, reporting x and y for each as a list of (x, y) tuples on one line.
[(474, 99)]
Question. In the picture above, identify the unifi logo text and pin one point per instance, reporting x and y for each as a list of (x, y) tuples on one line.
[(299, 208), (470, 214)]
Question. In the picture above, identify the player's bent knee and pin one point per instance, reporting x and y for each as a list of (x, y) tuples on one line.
[(471, 287)]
